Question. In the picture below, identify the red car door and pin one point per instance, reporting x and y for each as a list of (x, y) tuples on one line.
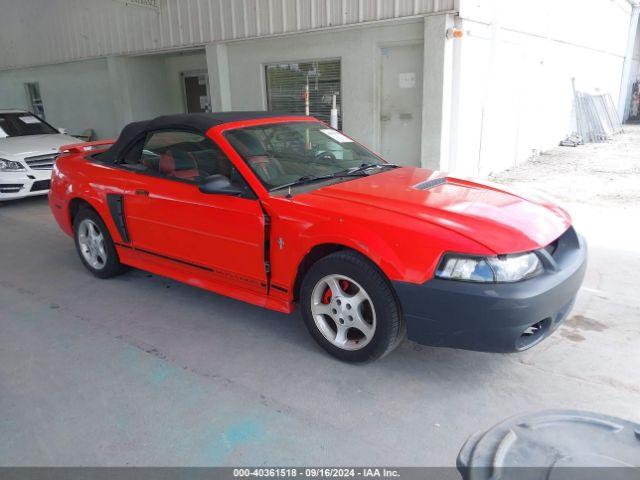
[(169, 218)]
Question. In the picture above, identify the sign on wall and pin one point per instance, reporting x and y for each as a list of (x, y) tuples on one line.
[(407, 80), (155, 4)]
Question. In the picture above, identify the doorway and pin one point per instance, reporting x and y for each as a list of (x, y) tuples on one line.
[(34, 99), (401, 104), (196, 91)]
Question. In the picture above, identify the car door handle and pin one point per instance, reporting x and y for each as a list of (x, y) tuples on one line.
[(142, 192)]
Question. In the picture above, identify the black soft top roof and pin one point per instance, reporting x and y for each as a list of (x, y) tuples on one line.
[(200, 122)]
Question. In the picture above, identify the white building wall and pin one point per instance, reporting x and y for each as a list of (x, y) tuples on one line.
[(504, 92), (76, 95), (139, 88), (513, 68), (176, 64), (147, 86), (38, 32), (104, 94), (358, 50)]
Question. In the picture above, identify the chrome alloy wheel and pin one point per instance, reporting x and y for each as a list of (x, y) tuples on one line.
[(91, 243), (343, 312)]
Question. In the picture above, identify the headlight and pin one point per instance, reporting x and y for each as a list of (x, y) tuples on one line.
[(503, 268), (10, 166)]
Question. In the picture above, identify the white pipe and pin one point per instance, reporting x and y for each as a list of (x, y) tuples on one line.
[(334, 113)]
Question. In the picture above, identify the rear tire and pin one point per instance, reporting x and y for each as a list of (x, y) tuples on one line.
[(350, 309), (95, 246)]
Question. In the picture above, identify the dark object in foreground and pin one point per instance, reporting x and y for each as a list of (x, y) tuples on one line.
[(554, 444)]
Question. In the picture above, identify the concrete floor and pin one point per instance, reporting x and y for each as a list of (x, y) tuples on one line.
[(140, 370)]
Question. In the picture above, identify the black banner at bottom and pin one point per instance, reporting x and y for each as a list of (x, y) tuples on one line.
[(232, 473)]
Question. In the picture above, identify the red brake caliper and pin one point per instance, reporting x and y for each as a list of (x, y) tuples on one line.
[(326, 297)]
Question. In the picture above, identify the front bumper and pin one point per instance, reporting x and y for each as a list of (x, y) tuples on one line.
[(496, 317), (14, 185)]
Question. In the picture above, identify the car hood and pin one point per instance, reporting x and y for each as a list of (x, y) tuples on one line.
[(502, 221), (30, 145)]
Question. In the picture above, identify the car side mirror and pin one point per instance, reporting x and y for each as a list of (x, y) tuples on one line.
[(62, 130), (221, 185)]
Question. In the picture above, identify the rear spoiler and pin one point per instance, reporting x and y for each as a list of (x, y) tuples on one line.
[(85, 147)]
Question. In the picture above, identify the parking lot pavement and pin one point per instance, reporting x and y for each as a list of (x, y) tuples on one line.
[(140, 370)]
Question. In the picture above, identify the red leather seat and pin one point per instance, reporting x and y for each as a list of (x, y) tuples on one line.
[(267, 168), (167, 166), (255, 153)]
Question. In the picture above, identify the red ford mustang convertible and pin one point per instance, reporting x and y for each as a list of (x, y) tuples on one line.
[(283, 210)]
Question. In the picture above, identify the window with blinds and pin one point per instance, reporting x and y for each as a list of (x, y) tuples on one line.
[(286, 84)]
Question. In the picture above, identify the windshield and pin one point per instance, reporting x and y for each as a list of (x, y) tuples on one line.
[(21, 124), (284, 153)]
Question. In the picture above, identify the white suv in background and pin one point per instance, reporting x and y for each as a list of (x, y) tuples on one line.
[(28, 149)]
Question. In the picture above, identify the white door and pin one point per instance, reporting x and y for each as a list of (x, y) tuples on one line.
[(401, 104)]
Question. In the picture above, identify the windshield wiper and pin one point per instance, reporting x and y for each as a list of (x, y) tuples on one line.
[(301, 181), (361, 170), (351, 172), (367, 166)]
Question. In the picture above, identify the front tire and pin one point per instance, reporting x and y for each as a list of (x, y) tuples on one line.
[(95, 246), (350, 309)]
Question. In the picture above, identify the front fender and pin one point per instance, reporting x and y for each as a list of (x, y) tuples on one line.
[(360, 238), (405, 249)]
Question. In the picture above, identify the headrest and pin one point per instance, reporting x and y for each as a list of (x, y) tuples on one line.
[(248, 143), (167, 164)]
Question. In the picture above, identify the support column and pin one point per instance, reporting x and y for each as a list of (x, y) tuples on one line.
[(219, 86), (118, 69), (625, 83), (436, 93)]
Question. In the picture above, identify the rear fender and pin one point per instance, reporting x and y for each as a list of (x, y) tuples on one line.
[(91, 197)]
